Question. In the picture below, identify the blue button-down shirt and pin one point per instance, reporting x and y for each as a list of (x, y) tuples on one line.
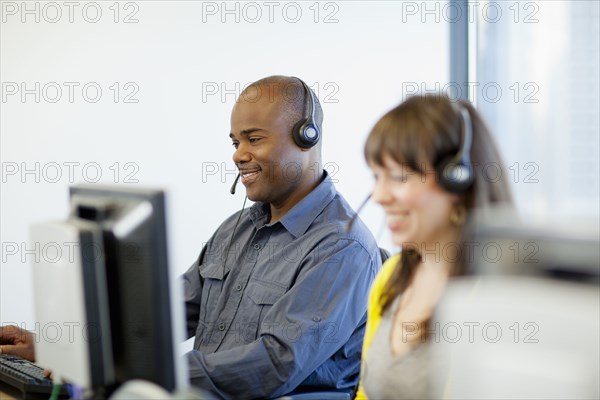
[(278, 306)]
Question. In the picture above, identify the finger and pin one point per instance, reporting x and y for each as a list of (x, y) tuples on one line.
[(25, 352), (48, 373)]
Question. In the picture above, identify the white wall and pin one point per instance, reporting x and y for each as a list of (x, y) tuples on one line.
[(357, 64)]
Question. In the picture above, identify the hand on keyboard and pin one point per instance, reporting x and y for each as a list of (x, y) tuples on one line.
[(29, 378), (17, 341)]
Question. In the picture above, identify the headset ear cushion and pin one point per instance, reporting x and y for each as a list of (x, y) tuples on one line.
[(455, 176), (300, 138)]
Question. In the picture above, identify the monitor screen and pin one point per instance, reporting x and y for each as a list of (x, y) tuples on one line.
[(122, 279)]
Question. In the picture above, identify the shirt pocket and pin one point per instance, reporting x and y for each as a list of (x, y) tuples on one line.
[(212, 284), (259, 298)]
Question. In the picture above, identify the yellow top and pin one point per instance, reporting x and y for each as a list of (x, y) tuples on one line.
[(374, 311)]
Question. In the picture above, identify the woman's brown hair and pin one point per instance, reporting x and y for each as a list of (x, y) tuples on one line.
[(419, 134)]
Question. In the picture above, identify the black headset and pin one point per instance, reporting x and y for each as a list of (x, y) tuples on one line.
[(455, 172), (306, 132)]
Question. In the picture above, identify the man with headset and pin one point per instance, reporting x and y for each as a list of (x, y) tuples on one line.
[(277, 298)]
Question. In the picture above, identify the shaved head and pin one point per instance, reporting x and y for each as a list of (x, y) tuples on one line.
[(291, 96)]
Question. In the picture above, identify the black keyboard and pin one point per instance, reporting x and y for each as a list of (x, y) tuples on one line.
[(26, 376)]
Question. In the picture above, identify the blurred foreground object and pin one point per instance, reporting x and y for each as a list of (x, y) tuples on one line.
[(527, 323)]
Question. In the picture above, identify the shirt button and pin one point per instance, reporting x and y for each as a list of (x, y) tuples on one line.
[(316, 319), (238, 287), (221, 326), (257, 246)]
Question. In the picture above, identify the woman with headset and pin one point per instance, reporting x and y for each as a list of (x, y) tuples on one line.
[(426, 155)]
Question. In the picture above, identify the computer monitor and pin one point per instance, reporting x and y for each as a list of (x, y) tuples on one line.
[(112, 290), (526, 324)]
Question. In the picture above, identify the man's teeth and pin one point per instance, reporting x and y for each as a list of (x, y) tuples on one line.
[(249, 173)]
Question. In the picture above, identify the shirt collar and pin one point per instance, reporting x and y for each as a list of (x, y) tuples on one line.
[(301, 216)]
